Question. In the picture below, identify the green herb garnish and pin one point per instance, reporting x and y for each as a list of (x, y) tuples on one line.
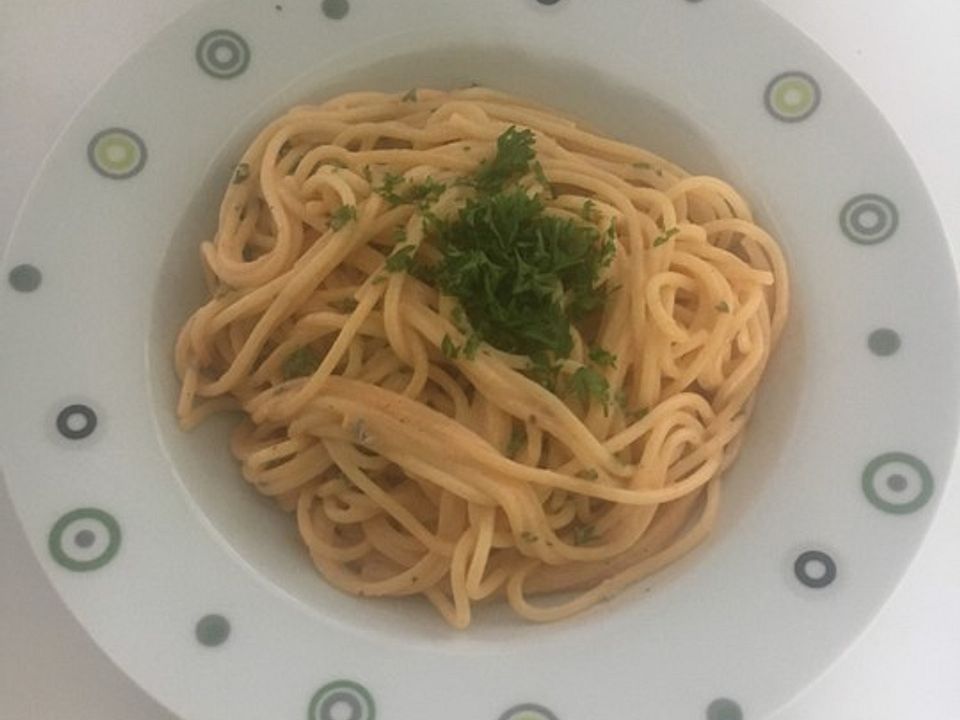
[(450, 350), (518, 438), (301, 362), (347, 304), (528, 536), (421, 194), (471, 346), (664, 236), (541, 176), (514, 155), (410, 96), (342, 215), (401, 259), (722, 306), (602, 357), (589, 474), (588, 384), (241, 173), (521, 276), (585, 534), (589, 211)]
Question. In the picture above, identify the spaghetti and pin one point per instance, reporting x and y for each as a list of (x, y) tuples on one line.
[(373, 314)]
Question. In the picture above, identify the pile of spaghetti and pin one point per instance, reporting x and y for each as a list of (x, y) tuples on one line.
[(480, 351)]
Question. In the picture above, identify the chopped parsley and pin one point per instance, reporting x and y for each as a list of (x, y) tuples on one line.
[(603, 358), (584, 535), (301, 362), (471, 346), (521, 276), (514, 154), (241, 173), (664, 236), (722, 307), (588, 384), (410, 95), (528, 536), (401, 259), (518, 438), (347, 304), (342, 215), (589, 474), (397, 191), (589, 211), (541, 176), (450, 350)]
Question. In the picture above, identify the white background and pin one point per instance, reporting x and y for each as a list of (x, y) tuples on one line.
[(906, 55)]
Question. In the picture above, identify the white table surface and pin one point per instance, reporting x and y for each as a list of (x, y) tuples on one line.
[(906, 55)]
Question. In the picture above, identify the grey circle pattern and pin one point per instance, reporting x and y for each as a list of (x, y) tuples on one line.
[(212, 630), (84, 538), (327, 702), (24, 278), (67, 421), (528, 711), (335, 9), (341, 697), (724, 709), (223, 54), (802, 568), (883, 342), (134, 151), (897, 483), (800, 82), (869, 219)]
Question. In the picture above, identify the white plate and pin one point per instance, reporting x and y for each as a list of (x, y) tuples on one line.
[(199, 589)]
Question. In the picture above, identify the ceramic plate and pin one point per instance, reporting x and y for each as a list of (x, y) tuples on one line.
[(200, 590)]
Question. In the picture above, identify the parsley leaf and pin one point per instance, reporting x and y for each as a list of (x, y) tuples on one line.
[(585, 534), (342, 215), (664, 236), (345, 305), (449, 349), (589, 384), (589, 211), (401, 259), (410, 96), (471, 346), (241, 173), (518, 438), (603, 358), (514, 154), (520, 274), (723, 307), (421, 194), (301, 362)]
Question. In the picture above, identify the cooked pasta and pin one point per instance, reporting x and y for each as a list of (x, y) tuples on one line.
[(479, 351)]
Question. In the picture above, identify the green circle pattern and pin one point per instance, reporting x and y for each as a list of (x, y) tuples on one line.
[(792, 96), (117, 153), (67, 548), (528, 711), (338, 693), (873, 475)]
